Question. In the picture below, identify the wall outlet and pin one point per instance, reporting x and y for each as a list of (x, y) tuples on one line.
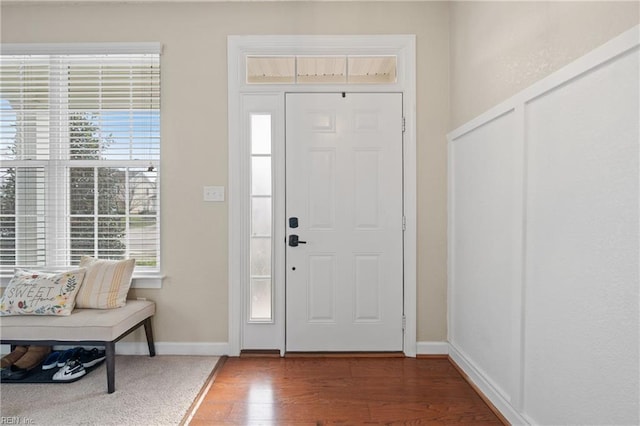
[(213, 193)]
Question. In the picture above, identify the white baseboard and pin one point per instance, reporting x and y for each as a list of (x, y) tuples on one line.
[(174, 348), (487, 388), (432, 348)]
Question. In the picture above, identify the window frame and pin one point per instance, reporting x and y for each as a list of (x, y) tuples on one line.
[(239, 91), (58, 166)]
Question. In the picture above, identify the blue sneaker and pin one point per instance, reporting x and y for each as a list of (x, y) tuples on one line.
[(51, 361), (67, 355)]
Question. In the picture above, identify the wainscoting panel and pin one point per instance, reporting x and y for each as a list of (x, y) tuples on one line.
[(544, 238), (582, 248), (485, 247)]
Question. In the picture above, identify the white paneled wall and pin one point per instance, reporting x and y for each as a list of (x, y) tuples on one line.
[(544, 256), (485, 247)]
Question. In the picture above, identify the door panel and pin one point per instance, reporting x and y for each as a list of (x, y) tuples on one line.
[(344, 184)]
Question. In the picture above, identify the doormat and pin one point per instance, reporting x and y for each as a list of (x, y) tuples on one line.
[(38, 375)]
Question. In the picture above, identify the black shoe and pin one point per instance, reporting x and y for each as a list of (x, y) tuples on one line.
[(90, 358), (67, 355), (13, 373)]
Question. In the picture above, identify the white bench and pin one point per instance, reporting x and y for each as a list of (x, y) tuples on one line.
[(84, 327)]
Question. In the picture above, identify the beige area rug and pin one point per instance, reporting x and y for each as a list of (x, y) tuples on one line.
[(149, 391)]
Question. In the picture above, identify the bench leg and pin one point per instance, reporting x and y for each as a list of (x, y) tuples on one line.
[(110, 353), (149, 332)]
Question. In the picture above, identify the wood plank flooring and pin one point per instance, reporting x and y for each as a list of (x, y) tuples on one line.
[(340, 391)]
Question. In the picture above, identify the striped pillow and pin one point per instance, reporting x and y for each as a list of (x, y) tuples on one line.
[(106, 283)]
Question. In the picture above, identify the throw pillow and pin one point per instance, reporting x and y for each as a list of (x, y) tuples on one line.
[(106, 283), (41, 293)]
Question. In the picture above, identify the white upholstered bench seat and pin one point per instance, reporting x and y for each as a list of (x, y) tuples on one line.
[(82, 324), (82, 327)]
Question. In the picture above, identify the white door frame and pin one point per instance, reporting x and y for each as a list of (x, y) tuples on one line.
[(403, 47)]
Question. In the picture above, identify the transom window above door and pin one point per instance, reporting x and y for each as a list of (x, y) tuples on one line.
[(325, 69)]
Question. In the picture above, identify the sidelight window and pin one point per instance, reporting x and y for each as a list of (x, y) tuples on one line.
[(260, 287)]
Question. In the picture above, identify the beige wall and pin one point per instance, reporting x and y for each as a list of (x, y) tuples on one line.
[(497, 49), (500, 48), (192, 305)]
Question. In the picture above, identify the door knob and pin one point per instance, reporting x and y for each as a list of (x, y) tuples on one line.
[(294, 241)]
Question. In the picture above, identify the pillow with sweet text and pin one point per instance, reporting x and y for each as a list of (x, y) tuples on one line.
[(41, 293)]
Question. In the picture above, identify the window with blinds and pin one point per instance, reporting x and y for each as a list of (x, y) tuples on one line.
[(79, 157)]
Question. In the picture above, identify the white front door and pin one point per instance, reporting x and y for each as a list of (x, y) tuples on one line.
[(344, 281)]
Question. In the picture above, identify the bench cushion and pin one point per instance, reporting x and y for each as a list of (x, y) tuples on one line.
[(82, 324)]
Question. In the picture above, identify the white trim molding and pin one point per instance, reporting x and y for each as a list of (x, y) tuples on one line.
[(488, 389), (432, 348), (239, 47), (174, 348), (80, 48), (141, 281)]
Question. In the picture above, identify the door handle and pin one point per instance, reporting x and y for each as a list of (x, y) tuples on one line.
[(294, 241)]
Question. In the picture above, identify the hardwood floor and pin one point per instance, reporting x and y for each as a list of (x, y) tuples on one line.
[(340, 391)]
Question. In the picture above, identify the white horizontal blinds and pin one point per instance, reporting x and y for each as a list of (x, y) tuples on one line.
[(91, 123), (24, 131), (120, 96), (24, 105), (22, 214)]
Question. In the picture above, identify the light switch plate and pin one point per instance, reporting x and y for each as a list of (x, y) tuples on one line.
[(213, 193)]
